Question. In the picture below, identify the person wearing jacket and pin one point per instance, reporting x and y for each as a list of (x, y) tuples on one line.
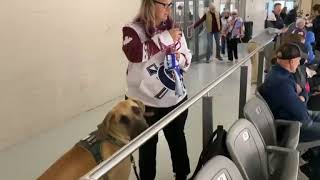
[(316, 26), (273, 20), (147, 42), (213, 27), (292, 16), (224, 23), (233, 31), (283, 96)]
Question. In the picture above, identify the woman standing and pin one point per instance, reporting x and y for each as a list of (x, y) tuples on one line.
[(145, 44), (233, 32), (224, 22)]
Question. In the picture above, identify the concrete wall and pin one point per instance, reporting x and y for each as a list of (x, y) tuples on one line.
[(58, 59), (256, 12), (306, 6)]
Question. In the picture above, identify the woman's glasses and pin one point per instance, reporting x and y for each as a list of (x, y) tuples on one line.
[(164, 5)]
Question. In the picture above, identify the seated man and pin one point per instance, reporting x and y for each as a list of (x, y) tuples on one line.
[(284, 96)]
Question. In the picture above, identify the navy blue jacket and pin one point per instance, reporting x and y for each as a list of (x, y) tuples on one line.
[(279, 91)]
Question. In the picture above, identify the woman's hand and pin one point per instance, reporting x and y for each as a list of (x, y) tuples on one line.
[(178, 55), (176, 34)]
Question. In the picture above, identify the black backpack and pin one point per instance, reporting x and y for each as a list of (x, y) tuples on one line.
[(215, 146)]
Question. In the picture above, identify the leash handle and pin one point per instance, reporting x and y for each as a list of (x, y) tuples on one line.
[(134, 167)]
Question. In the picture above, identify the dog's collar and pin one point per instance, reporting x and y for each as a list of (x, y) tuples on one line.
[(113, 140)]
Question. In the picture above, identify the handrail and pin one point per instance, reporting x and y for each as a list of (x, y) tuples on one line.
[(128, 149)]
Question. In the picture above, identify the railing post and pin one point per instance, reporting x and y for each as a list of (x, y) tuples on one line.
[(243, 89), (260, 68), (207, 119)]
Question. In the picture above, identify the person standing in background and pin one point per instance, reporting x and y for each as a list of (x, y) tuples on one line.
[(213, 26), (292, 16), (273, 20), (284, 13), (224, 22), (233, 32), (146, 41)]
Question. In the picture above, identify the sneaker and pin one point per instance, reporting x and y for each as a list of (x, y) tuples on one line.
[(208, 61), (219, 58)]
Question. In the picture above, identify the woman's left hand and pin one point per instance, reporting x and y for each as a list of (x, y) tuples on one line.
[(178, 55)]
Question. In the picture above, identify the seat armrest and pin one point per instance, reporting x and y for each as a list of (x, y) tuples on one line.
[(281, 150), (283, 163), (283, 122), (288, 133)]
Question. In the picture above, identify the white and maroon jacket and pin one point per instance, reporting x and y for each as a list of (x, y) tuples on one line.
[(146, 78)]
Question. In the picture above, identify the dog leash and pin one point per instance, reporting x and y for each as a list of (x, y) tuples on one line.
[(134, 167)]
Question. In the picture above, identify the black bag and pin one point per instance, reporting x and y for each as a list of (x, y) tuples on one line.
[(248, 26), (215, 146)]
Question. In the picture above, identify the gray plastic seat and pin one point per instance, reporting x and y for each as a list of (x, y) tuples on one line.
[(275, 132), (286, 132), (219, 168), (255, 160)]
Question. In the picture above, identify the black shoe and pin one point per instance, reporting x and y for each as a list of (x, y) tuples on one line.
[(181, 177)]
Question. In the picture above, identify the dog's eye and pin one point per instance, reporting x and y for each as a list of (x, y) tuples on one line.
[(136, 110), (124, 120)]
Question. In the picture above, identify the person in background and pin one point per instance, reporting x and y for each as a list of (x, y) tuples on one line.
[(284, 13), (224, 22), (233, 32), (146, 43), (213, 27), (316, 26), (273, 20), (292, 16), (299, 26)]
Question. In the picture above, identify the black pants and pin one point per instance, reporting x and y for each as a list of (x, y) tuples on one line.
[(232, 46), (174, 134)]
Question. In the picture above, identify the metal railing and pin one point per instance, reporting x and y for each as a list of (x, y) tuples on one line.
[(262, 39)]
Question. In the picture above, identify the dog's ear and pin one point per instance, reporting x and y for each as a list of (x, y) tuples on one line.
[(139, 103), (104, 126)]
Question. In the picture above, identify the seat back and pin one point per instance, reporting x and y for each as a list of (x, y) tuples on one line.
[(247, 150), (256, 110), (219, 168)]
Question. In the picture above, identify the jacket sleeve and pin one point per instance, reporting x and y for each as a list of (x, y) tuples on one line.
[(292, 103), (203, 18), (140, 51)]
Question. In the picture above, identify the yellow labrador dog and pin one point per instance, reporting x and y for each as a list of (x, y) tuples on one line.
[(124, 122)]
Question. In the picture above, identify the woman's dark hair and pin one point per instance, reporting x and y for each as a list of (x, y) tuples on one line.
[(288, 51), (284, 10)]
